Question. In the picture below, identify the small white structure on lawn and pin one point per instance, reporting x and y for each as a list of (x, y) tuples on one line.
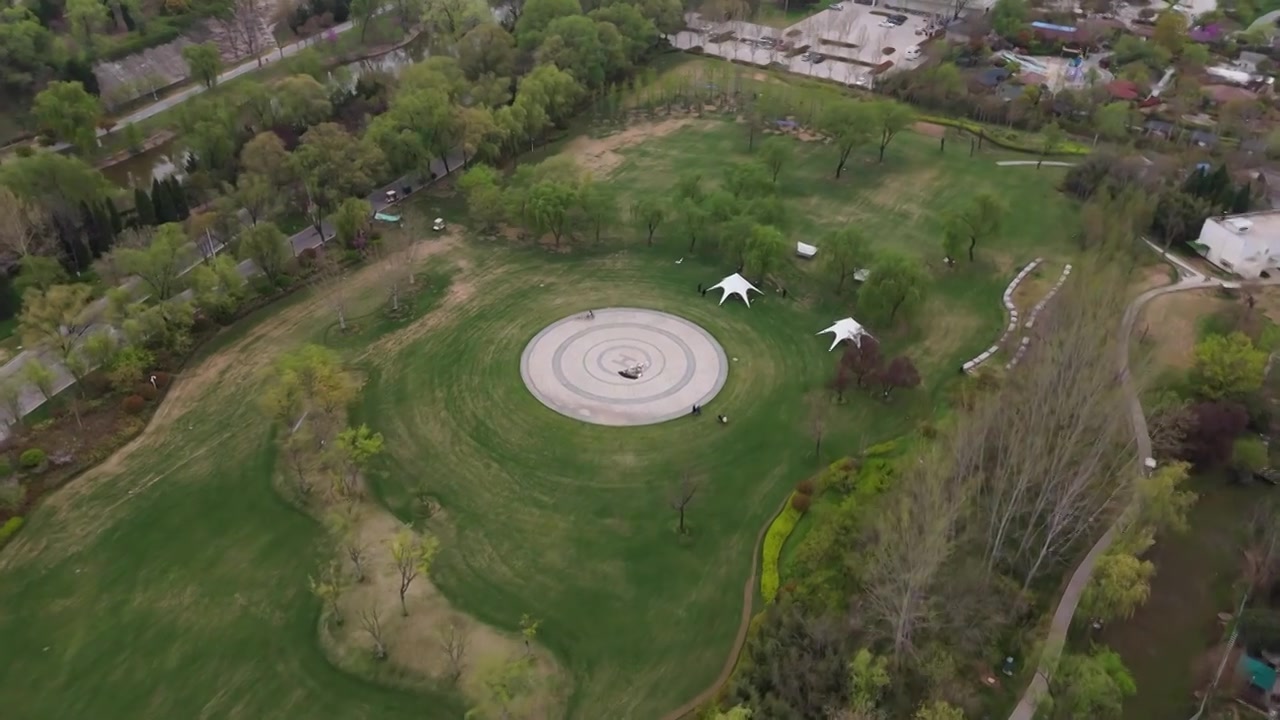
[(805, 250), (735, 284), (846, 329), (1246, 245)]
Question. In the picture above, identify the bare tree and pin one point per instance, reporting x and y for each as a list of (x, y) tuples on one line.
[(682, 495), (298, 448), (912, 537), (412, 556), (23, 230), (371, 622), (332, 279), (818, 406), (1052, 448), (454, 640), (344, 524)]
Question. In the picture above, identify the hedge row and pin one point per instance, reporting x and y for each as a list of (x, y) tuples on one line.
[(11, 526), (1007, 139), (779, 530)]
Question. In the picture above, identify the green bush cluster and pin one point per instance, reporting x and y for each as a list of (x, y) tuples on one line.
[(160, 30), (1007, 139), (31, 459), (10, 527), (776, 536), (6, 466), (12, 495)]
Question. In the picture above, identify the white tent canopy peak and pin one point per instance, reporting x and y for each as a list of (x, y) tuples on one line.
[(735, 284), (846, 329)]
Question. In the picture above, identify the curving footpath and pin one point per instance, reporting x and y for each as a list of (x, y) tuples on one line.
[(1190, 279)]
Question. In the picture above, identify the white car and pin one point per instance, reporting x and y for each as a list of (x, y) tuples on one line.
[(837, 7), (887, 24), (913, 52), (438, 225)]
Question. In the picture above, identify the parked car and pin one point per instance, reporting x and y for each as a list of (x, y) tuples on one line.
[(837, 7), (816, 58), (887, 24), (438, 225), (913, 53)]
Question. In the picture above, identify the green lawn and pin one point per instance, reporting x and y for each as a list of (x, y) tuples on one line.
[(172, 581), (1165, 642)]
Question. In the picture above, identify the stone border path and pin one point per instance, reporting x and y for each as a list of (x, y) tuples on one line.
[(573, 366)]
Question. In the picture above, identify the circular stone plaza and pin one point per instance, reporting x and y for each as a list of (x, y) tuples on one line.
[(623, 366)]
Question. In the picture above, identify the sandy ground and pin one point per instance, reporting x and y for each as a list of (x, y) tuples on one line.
[(1167, 325), (930, 129), (600, 155)]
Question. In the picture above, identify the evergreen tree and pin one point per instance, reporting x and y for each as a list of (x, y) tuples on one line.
[(113, 214), (178, 196), (1242, 200), (163, 201), (144, 210)]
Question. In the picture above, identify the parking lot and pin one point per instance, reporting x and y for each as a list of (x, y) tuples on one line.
[(850, 41)]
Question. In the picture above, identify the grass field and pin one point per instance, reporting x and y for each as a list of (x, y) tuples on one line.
[(172, 580)]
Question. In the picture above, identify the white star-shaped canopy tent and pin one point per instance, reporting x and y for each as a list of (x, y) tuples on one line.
[(846, 329), (735, 284)]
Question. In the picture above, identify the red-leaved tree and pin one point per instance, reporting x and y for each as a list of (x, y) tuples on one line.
[(899, 373), (863, 358)]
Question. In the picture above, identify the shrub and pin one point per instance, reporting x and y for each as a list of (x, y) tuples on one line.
[(133, 404), (6, 467), (162, 378), (774, 538), (32, 458), (800, 503), (11, 526), (128, 366), (884, 449), (839, 475), (146, 391), (805, 487), (12, 495)]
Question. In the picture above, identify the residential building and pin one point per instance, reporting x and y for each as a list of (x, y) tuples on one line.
[(1247, 245)]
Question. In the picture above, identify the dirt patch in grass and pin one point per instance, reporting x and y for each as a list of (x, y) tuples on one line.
[(1167, 325), (901, 192), (601, 156), (1035, 287), (930, 129), (415, 643)]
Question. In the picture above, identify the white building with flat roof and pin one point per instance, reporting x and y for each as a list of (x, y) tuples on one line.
[(1247, 245)]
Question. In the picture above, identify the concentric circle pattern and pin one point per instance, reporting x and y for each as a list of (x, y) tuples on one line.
[(624, 366)]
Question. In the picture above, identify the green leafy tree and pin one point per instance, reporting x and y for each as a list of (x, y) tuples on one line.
[(550, 204), (362, 13), (981, 219), (844, 252), (160, 264), (265, 156), (487, 51), (1090, 686), (1171, 31), (1112, 120), (850, 126), (267, 247), (418, 127), (56, 318), (895, 288), (1051, 138), (413, 556), (86, 18), (868, 678), (67, 113), (353, 449), (351, 221), (649, 213), (40, 376), (37, 272), (218, 287), (452, 18), (773, 153), (1120, 585), (1249, 455), (1227, 366), (1008, 16), (334, 166), (537, 15), (766, 249), (573, 45), (597, 206), (25, 49), (888, 119), (205, 62), (302, 101), (485, 204)]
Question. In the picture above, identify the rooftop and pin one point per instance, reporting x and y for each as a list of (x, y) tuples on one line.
[(1262, 223)]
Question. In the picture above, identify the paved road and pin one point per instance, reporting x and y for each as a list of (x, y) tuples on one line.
[(308, 238), (1189, 279)]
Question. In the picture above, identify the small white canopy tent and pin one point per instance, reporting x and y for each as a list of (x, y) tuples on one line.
[(805, 250), (846, 329), (735, 284)]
